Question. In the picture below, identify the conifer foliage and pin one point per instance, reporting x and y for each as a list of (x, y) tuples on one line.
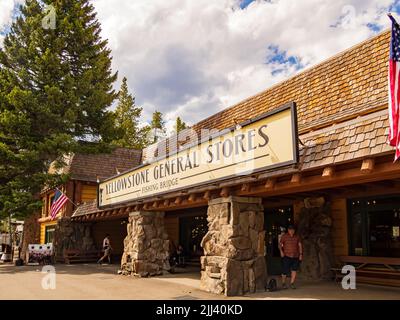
[(55, 90), (127, 118)]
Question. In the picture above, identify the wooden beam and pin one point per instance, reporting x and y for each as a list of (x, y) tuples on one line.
[(192, 197), (270, 183), (225, 192), (178, 200), (166, 202), (207, 195), (383, 184), (328, 172), (245, 187), (367, 165), (146, 206), (155, 204), (342, 178), (296, 178)]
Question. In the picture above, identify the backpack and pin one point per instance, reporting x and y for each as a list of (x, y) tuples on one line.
[(271, 285)]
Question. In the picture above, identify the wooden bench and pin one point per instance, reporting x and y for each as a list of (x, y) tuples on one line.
[(372, 270), (76, 256)]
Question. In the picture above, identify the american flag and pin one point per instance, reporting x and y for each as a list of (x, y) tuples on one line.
[(59, 200), (394, 88)]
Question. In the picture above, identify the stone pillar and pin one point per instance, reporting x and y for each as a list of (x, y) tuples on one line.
[(146, 246), (233, 261), (315, 230)]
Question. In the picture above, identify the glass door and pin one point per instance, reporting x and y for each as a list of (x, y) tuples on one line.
[(375, 226)]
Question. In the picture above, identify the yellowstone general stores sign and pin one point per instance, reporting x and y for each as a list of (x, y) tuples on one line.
[(266, 142)]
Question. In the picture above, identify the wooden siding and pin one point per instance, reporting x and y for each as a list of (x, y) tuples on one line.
[(43, 230), (339, 232), (89, 192)]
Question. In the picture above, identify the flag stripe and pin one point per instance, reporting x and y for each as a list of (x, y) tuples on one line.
[(394, 88), (59, 200)]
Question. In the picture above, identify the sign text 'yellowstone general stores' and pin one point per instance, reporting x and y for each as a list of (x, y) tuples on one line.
[(266, 142)]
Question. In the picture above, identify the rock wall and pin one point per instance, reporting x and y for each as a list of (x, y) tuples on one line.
[(233, 261), (146, 246), (315, 230), (71, 235)]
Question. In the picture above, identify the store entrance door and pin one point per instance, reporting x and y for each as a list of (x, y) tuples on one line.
[(192, 229), (276, 221), (375, 226)]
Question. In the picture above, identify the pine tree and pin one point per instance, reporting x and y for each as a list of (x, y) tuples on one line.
[(127, 121), (55, 88), (179, 125), (157, 125)]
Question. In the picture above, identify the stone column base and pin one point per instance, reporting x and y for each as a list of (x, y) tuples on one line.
[(146, 246), (233, 261)]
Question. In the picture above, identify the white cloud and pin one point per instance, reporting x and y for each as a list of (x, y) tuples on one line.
[(6, 11), (193, 58)]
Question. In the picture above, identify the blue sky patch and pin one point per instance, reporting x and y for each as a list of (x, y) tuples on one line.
[(245, 3), (374, 27), (277, 56), (395, 7)]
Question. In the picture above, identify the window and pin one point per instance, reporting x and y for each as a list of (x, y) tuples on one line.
[(375, 226), (50, 202), (49, 234)]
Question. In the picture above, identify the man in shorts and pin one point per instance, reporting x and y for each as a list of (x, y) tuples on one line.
[(292, 254)]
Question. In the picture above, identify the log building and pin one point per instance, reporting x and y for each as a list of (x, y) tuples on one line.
[(311, 150), (84, 171)]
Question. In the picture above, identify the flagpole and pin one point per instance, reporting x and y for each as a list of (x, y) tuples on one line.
[(67, 197)]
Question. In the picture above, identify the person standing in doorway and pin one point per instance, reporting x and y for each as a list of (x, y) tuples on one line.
[(107, 249), (292, 254)]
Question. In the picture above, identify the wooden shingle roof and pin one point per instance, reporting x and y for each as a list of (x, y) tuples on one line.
[(86, 208), (342, 87), (89, 167), (365, 136)]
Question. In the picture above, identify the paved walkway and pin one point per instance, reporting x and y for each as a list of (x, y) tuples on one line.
[(91, 281)]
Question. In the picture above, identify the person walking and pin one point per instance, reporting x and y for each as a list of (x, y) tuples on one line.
[(292, 254), (107, 249)]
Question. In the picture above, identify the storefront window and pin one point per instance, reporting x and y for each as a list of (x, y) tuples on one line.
[(49, 234), (375, 226)]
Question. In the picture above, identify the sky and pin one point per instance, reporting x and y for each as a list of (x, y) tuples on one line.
[(193, 58)]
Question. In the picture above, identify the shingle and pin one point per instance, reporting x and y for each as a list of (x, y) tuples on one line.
[(342, 87), (86, 208), (335, 151), (89, 167)]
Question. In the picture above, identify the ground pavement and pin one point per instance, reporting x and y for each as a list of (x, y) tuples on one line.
[(90, 281)]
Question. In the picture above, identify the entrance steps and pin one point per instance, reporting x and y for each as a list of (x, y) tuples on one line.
[(193, 262)]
